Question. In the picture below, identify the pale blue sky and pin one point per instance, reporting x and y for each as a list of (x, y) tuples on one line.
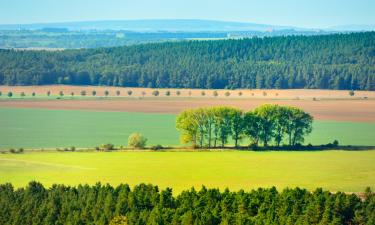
[(302, 13)]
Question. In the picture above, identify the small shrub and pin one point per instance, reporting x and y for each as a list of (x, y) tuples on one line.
[(22, 94), (167, 93), (189, 93), (83, 93), (252, 94), (157, 147), (143, 94), (155, 93), (93, 93), (72, 148), (178, 93), (240, 93), (129, 92), (351, 93), (12, 150), (1, 93), (277, 94), (33, 94), (48, 93), (136, 140), (20, 150), (314, 99), (203, 93), (106, 93), (97, 148), (215, 94), (107, 147), (264, 93), (227, 94), (118, 93), (335, 143), (72, 94), (61, 93)]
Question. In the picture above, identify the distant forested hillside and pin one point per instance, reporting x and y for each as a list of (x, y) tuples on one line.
[(338, 61)]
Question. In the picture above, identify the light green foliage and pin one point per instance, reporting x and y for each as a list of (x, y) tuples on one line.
[(332, 170), (136, 140), (271, 122)]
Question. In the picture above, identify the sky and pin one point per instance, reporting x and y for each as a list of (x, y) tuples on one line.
[(299, 13)]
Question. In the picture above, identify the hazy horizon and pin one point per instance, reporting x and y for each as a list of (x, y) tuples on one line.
[(303, 14)]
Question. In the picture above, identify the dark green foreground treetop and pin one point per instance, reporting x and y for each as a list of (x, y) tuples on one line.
[(146, 204), (339, 61)]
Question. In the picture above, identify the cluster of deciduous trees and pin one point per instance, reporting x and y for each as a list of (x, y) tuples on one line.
[(339, 61), (214, 126), (145, 204)]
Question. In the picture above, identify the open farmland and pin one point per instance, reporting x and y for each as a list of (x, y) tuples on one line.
[(43, 128), (350, 171), (87, 121)]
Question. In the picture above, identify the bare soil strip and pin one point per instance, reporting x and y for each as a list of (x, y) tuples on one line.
[(336, 110)]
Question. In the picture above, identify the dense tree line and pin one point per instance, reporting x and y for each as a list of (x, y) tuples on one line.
[(212, 127), (146, 204), (338, 61)]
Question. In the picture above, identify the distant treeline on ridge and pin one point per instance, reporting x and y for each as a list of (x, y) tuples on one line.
[(339, 61)]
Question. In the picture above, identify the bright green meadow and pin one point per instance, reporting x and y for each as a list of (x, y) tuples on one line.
[(43, 128), (350, 171)]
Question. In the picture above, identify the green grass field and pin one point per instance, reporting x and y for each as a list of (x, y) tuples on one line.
[(42, 128), (349, 171)]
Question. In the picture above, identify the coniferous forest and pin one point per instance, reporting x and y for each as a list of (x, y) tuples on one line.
[(146, 204), (337, 61)]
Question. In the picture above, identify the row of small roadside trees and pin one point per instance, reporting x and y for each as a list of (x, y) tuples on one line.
[(212, 127)]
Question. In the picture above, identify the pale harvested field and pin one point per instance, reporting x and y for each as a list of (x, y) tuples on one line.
[(137, 92)]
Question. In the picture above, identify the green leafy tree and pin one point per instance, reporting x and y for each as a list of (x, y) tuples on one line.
[(155, 93), (130, 92), (187, 125), (252, 127), (93, 93), (10, 94), (299, 124), (237, 125), (267, 122)]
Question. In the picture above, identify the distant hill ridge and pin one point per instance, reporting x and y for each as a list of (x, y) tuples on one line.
[(151, 25)]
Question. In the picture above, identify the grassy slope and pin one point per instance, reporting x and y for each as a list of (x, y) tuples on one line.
[(36, 128), (333, 170)]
